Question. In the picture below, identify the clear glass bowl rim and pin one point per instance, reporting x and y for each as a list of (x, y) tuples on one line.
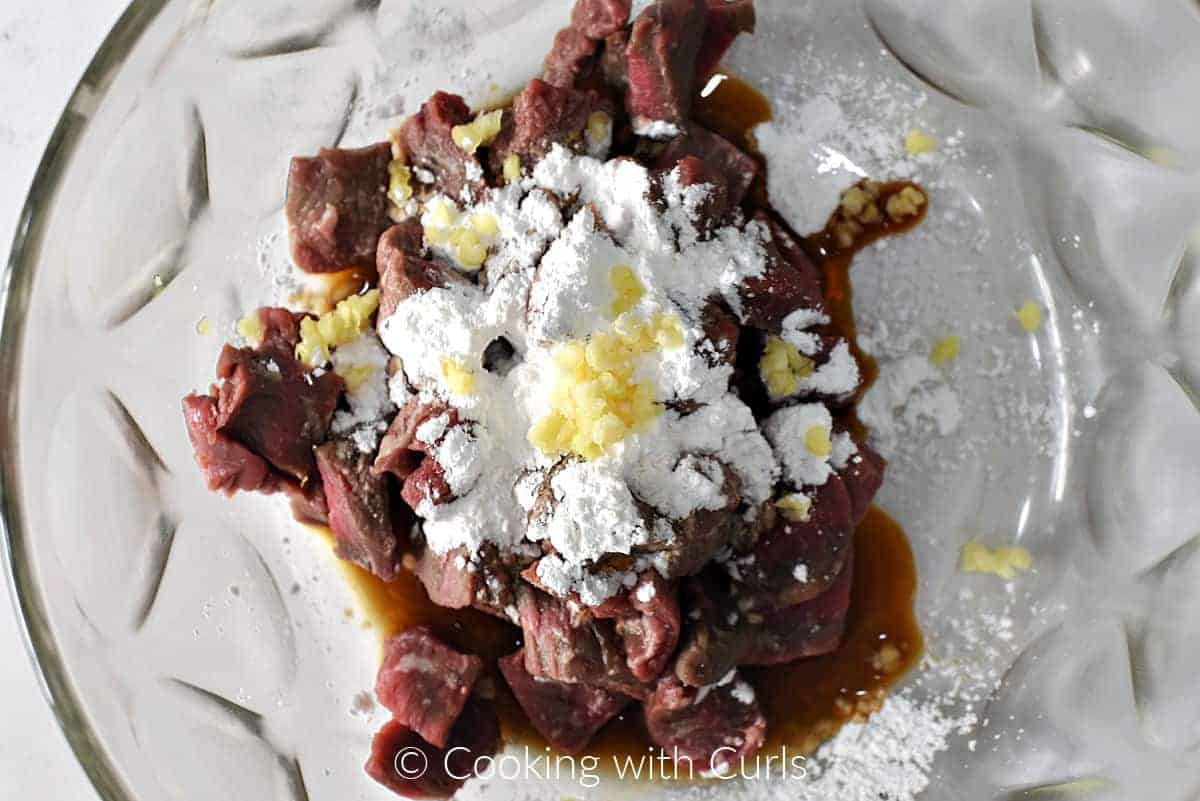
[(15, 284)]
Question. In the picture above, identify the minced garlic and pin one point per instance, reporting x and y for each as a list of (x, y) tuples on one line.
[(905, 203), (346, 323), (854, 200), (467, 237), (945, 350), (599, 129), (595, 399), (512, 168), (485, 223), (251, 328), (628, 288), (796, 507), (887, 658), (818, 441), (859, 207), (355, 375), (668, 332), (460, 379), (203, 326), (468, 250), (1004, 561), (479, 132), (1030, 315), (918, 142), (782, 367), (399, 182)]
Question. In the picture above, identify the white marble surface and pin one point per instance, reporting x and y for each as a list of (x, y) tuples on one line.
[(44, 47)]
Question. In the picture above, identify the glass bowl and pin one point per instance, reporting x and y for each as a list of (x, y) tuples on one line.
[(195, 647)]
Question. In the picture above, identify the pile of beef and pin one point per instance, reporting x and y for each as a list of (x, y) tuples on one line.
[(669, 646)]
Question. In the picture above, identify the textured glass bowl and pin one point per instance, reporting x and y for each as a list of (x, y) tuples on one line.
[(201, 648)]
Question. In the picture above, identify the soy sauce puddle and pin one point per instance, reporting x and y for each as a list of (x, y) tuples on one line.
[(805, 702)]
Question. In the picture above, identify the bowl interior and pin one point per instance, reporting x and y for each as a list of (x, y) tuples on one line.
[(205, 648)]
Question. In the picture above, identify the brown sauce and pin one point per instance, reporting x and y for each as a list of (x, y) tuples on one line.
[(809, 699), (806, 701)]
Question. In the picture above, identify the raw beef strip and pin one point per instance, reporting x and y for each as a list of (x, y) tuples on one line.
[(359, 508), (227, 465), (396, 748), (542, 116), (571, 58), (400, 452), (425, 683), (661, 56), (567, 715), (487, 581), (715, 631), (572, 648), (711, 726), (597, 19), (791, 282), (736, 168), (724, 20), (811, 628), (863, 476), (273, 405), (428, 145), (795, 561), (650, 632), (337, 207), (402, 272)]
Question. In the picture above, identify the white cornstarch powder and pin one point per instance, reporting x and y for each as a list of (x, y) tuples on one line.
[(835, 121), (370, 403), (838, 377), (548, 279), (789, 432)]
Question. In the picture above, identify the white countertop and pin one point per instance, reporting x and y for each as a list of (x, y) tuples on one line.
[(44, 47)]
